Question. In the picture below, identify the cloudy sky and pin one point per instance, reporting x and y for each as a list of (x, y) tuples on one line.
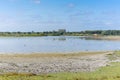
[(47, 15)]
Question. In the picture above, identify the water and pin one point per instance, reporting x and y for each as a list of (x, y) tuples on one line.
[(55, 44)]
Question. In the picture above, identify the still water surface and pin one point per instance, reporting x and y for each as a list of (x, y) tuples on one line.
[(55, 44)]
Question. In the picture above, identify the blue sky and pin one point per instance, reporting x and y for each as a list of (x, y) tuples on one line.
[(48, 15)]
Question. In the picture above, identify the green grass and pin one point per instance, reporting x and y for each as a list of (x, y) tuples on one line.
[(105, 73)]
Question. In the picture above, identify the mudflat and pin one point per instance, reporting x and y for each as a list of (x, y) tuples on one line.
[(51, 63)]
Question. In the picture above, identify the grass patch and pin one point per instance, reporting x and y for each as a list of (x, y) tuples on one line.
[(104, 73), (113, 56)]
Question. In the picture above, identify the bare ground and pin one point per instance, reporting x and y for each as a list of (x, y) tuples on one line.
[(38, 64)]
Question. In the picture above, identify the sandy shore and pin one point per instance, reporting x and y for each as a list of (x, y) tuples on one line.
[(50, 63), (114, 38)]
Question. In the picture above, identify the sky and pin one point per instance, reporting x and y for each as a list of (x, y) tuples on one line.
[(48, 15)]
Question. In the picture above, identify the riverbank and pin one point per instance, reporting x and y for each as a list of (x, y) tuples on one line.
[(76, 66), (52, 63), (114, 38)]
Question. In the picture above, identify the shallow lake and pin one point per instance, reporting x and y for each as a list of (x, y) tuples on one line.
[(55, 44)]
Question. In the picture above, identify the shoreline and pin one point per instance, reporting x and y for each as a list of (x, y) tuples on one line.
[(89, 37), (72, 52), (112, 38), (52, 63)]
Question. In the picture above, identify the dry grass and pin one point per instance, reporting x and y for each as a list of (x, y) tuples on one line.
[(41, 55), (115, 38)]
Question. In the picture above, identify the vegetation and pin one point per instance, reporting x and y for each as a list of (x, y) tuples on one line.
[(62, 32), (114, 56), (40, 55)]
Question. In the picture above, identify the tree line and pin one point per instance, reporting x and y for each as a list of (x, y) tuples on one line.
[(62, 33)]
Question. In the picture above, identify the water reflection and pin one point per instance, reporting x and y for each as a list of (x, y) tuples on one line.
[(91, 38), (60, 38), (64, 38), (56, 44)]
